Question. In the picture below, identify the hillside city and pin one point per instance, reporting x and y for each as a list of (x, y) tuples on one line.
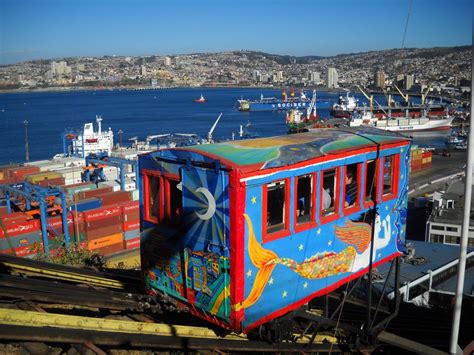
[(442, 70)]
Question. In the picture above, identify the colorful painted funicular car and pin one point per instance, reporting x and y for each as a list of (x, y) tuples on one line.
[(242, 232)]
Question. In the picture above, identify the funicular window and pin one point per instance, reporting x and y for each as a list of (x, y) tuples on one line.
[(329, 192), (152, 197), (174, 198), (370, 181), (390, 175), (352, 185), (304, 199), (275, 210)]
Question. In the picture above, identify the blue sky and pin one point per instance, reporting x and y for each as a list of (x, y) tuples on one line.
[(31, 29)]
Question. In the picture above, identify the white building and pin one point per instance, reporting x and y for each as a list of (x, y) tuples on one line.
[(332, 78), (167, 61), (444, 223)]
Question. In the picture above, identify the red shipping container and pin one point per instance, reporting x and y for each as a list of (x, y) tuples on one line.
[(17, 228), (52, 182), (100, 213), (18, 216), (27, 250), (128, 226), (132, 243), (3, 210), (20, 172), (103, 232), (104, 222), (115, 198), (84, 195), (111, 249), (130, 206)]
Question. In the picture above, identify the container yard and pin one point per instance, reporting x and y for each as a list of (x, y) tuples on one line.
[(100, 216)]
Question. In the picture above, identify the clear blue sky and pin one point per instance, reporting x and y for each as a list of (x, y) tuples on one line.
[(31, 29)]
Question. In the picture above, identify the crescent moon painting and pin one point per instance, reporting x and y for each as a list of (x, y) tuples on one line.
[(211, 204), (205, 208)]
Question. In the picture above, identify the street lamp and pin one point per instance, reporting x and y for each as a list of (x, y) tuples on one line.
[(27, 148)]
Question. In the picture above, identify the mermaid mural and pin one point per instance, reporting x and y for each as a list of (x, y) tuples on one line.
[(356, 256)]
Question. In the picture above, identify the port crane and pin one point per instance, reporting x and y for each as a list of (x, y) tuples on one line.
[(404, 96), (370, 98), (424, 95), (209, 134), (312, 106), (390, 102), (42, 196)]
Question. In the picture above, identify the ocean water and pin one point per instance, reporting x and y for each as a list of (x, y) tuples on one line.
[(141, 113)]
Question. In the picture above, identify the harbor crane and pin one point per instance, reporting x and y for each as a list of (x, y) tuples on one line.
[(390, 102), (404, 96), (209, 134), (370, 98), (312, 106), (424, 95)]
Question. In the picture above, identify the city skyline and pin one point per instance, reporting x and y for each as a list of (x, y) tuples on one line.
[(54, 29)]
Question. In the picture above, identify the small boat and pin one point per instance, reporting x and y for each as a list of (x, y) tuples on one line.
[(200, 100)]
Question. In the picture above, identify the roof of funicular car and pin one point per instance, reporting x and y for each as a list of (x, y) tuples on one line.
[(274, 152)]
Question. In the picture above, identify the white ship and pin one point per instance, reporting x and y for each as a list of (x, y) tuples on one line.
[(89, 141), (402, 124)]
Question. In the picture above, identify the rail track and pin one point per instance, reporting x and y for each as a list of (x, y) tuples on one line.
[(56, 304), (47, 306)]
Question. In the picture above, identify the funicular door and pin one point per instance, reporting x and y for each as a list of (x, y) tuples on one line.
[(206, 223)]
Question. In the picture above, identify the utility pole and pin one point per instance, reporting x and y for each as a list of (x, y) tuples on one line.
[(27, 148), (120, 132), (465, 227)]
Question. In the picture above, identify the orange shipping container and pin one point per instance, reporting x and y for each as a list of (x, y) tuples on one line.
[(105, 241)]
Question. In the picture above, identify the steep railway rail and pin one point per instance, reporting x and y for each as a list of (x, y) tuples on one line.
[(56, 304), (46, 306)]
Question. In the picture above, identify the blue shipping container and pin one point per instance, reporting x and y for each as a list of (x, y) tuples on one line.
[(85, 205)]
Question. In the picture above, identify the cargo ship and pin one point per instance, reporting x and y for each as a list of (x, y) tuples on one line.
[(275, 104), (347, 105), (404, 123)]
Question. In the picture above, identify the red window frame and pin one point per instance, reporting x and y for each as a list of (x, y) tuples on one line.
[(395, 177), (147, 175), (268, 237), (356, 206), (166, 189), (333, 216), (164, 196), (311, 223), (370, 203)]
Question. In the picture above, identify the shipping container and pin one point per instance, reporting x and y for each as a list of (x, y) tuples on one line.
[(82, 195), (128, 226), (18, 216), (103, 222), (24, 251), (132, 243), (131, 233), (85, 205), (92, 234), (71, 190), (20, 172), (101, 213), (14, 228), (41, 176), (55, 182), (110, 249), (20, 240), (114, 198), (105, 241)]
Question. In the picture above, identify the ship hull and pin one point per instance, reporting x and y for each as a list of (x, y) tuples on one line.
[(413, 112)]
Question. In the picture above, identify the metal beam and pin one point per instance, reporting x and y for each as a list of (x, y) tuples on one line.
[(407, 344)]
